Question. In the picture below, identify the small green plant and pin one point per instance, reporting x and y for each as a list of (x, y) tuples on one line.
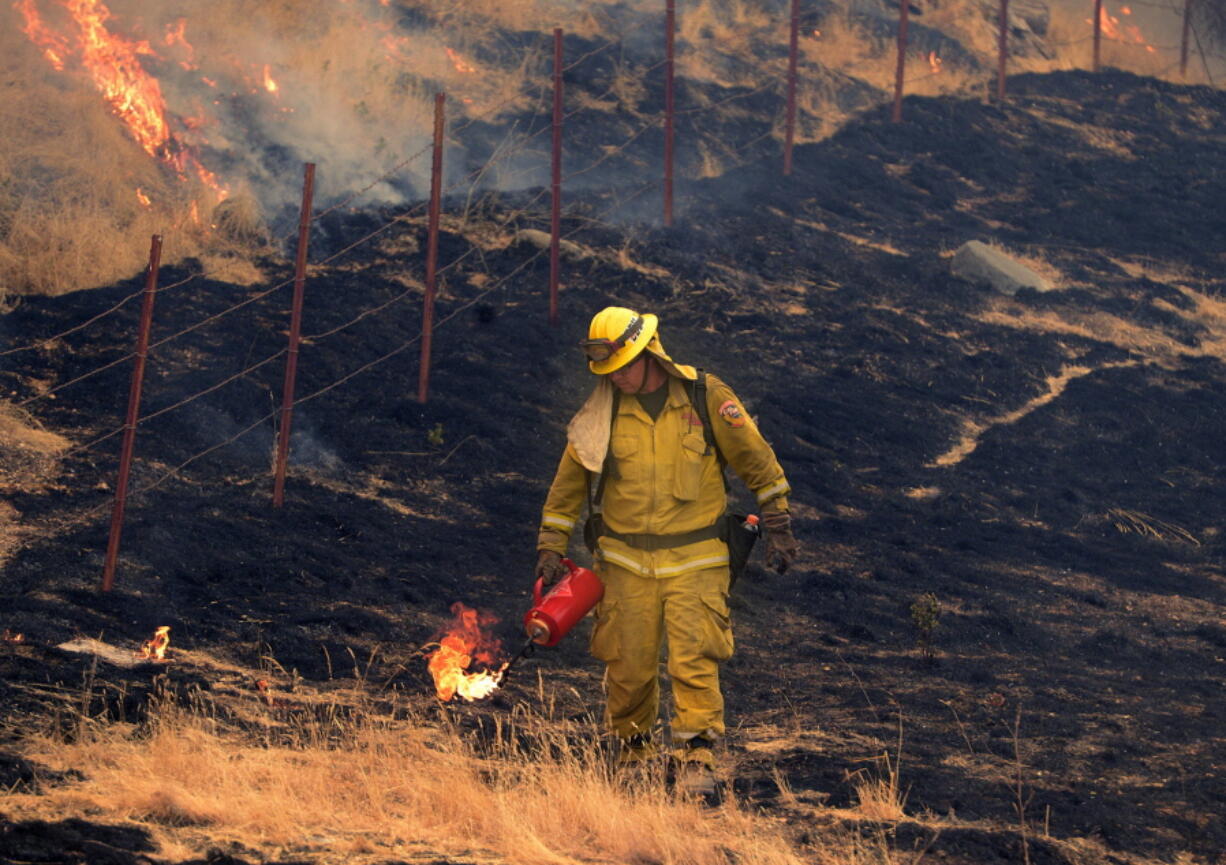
[(435, 436), (925, 615)]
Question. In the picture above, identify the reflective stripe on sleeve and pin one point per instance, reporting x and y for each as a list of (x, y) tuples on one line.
[(778, 488), (558, 521)]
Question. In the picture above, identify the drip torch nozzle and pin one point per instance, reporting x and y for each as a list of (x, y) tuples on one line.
[(527, 651)]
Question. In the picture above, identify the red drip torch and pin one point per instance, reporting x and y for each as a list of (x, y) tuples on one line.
[(553, 615)]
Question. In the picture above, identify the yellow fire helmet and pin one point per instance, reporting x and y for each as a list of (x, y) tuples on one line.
[(616, 337)]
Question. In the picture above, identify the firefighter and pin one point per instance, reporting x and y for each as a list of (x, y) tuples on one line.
[(640, 453)]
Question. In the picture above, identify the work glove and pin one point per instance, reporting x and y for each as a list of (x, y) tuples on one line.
[(781, 546), (549, 567)]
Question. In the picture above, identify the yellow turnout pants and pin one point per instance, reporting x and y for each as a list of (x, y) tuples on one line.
[(633, 619)]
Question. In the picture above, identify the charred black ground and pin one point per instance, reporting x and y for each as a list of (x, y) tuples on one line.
[(1075, 551)]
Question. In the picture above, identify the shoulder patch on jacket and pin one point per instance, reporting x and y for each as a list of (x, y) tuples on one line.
[(731, 413)]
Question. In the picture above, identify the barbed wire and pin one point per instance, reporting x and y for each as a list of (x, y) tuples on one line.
[(1167, 6), (771, 81), (470, 119), (101, 508), (214, 387), (195, 326), (515, 214), (93, 372), (610, 91), (383, 178), (466, 305), (621, 38), (75, 328)]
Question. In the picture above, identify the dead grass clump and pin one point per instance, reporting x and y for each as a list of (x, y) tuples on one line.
[(527, 794), (879, 794), (29, 454), (1139, 523), (240, 221)]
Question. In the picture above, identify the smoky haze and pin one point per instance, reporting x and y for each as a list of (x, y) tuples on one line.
[(255, 89), (251, 90)]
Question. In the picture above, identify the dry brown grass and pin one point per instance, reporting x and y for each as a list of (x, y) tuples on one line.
[(29, 460), (69, 215), (29, 454), (1152, 343), (368, 789)]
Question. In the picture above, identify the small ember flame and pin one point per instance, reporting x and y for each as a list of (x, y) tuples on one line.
[(9, 637), (934, 62), (142, 198), (460, 64), (467, 642), (270, 83), (155, 649)]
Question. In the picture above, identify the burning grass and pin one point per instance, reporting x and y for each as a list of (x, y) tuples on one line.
[(374, 787)]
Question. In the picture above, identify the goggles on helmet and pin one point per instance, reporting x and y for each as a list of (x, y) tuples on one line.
[(598, 350)]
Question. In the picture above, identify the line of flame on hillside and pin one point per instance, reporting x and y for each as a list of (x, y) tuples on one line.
[(467, 642), (1116, 31), (81, 39)]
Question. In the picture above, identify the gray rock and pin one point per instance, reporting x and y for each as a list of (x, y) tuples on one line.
[(978, 262), (540, 239)]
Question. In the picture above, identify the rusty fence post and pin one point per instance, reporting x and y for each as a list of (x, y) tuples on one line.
[(789, 134), (436, 188), (903, 11), (295, 333), (670, 25), (555, 217), (1183, 42), (129, 427), (1003, 46), (1098, 33)]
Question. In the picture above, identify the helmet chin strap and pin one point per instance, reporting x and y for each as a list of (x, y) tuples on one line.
[(643, 377)]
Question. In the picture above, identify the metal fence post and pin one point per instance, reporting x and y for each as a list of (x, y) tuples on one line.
[(295, 332), (1183, 42), (903, 12), (129, 427), (1003, 50), (789, 135), (670, 25), (555, 218), (1098, 32), (436, 187)]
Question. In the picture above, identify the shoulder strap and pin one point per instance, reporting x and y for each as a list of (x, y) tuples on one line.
[(594, 495), (698, 399)]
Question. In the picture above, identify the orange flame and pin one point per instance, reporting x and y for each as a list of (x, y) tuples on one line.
[(465, 642), (10, 637), (155, 649), (934, 62), (114, 65), (55, 47), (142, 198), (1129, 34), (176, 34), (269, 83)]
